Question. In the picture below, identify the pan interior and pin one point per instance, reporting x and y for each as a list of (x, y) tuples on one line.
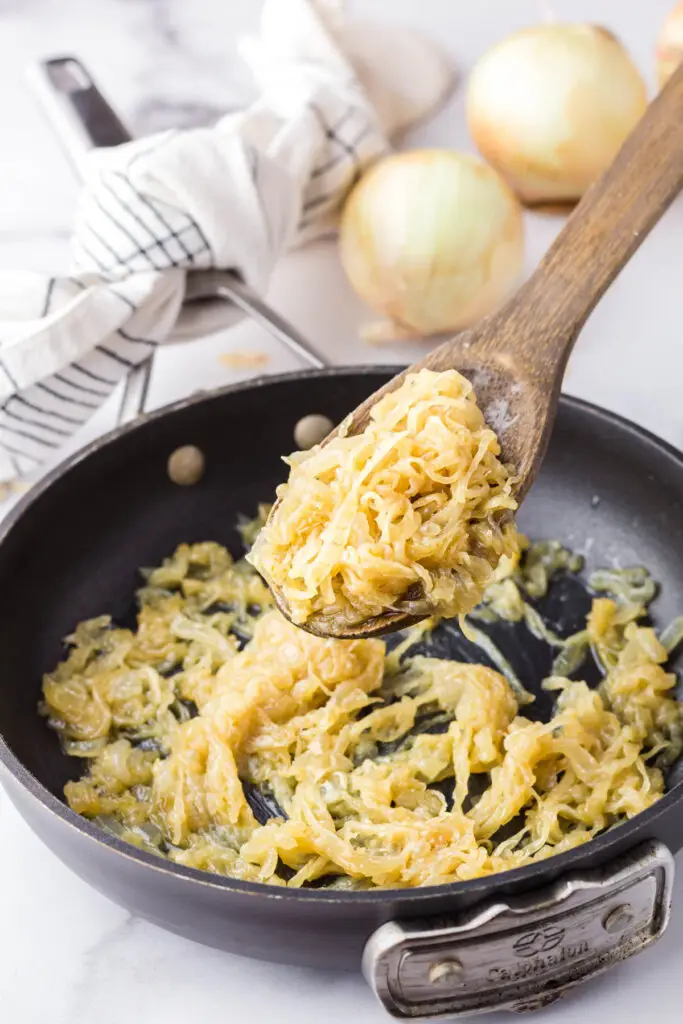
[(606, 490)]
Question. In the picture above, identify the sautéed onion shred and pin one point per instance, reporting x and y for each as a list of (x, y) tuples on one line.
[(381, 768)]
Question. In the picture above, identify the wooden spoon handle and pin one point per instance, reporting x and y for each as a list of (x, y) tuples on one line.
[(543, 319)]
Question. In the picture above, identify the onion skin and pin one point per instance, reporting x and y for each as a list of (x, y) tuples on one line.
[(550, 106), (670, 45), (432, 239)]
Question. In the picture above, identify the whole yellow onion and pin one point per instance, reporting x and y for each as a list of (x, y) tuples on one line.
[(433, 240), (670, 44), (551, 105)]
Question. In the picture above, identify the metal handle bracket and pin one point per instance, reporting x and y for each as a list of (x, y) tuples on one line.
[(524, 952)]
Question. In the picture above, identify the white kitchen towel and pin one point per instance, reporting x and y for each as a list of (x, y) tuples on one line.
[(234, 196)]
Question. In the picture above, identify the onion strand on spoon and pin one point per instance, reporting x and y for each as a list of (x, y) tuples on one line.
[(410, 515)]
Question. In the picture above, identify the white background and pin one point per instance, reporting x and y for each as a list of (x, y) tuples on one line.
[(68, 955)]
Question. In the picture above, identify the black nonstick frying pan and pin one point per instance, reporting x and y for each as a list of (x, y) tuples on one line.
[(71, 549)]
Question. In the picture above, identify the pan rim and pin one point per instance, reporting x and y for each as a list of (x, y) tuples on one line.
[(559, 864)]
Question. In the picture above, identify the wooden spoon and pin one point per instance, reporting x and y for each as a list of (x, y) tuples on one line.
[(516, 357)]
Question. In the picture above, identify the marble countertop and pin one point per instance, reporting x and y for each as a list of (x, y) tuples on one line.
[(66, 953)]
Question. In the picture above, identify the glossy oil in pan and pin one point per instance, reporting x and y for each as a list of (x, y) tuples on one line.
[(72, 548)]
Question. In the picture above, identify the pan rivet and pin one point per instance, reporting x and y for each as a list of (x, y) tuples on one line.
[(311, 430), (618, 919), (185, 465), (444, 972)]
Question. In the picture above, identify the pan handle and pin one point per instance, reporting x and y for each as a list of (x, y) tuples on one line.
[(209, 285), (83, 119), (523, 952)]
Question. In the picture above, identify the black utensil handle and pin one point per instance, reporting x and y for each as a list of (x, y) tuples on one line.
[(79, 113), (83, 120)]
